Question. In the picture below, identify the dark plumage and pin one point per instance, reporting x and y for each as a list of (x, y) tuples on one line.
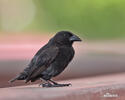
[(50, 60)]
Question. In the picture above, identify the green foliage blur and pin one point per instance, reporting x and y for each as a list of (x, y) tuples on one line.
[(92, 18), (89, 18)]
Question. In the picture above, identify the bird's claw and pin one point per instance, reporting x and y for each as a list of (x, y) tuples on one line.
[(70, 84), (54, 85)]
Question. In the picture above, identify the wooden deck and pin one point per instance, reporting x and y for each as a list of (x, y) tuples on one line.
[(108, 87)]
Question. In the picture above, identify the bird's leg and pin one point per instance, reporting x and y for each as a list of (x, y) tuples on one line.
[(45, 83), (55, 84)]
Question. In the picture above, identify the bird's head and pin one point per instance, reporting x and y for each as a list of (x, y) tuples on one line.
[(65, 38)]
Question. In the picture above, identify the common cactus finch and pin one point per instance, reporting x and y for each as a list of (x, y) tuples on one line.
[(50, 60)]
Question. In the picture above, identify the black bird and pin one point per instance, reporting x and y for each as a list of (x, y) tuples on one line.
[(50, 60)]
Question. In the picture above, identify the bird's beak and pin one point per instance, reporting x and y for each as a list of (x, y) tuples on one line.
[(75, 38)]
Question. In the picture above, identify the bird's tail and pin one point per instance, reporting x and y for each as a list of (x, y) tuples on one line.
[(22, 76), (12, 80)]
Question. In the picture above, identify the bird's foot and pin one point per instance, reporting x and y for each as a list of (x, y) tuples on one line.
[(46, 85), (55, 84), (61, 85)]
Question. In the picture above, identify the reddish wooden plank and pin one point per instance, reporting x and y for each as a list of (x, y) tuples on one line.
[(108, 87)]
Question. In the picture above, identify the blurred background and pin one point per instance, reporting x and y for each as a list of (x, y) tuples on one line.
[(26, 25)]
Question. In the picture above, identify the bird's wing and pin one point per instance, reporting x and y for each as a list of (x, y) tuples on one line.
[(41, 62)]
